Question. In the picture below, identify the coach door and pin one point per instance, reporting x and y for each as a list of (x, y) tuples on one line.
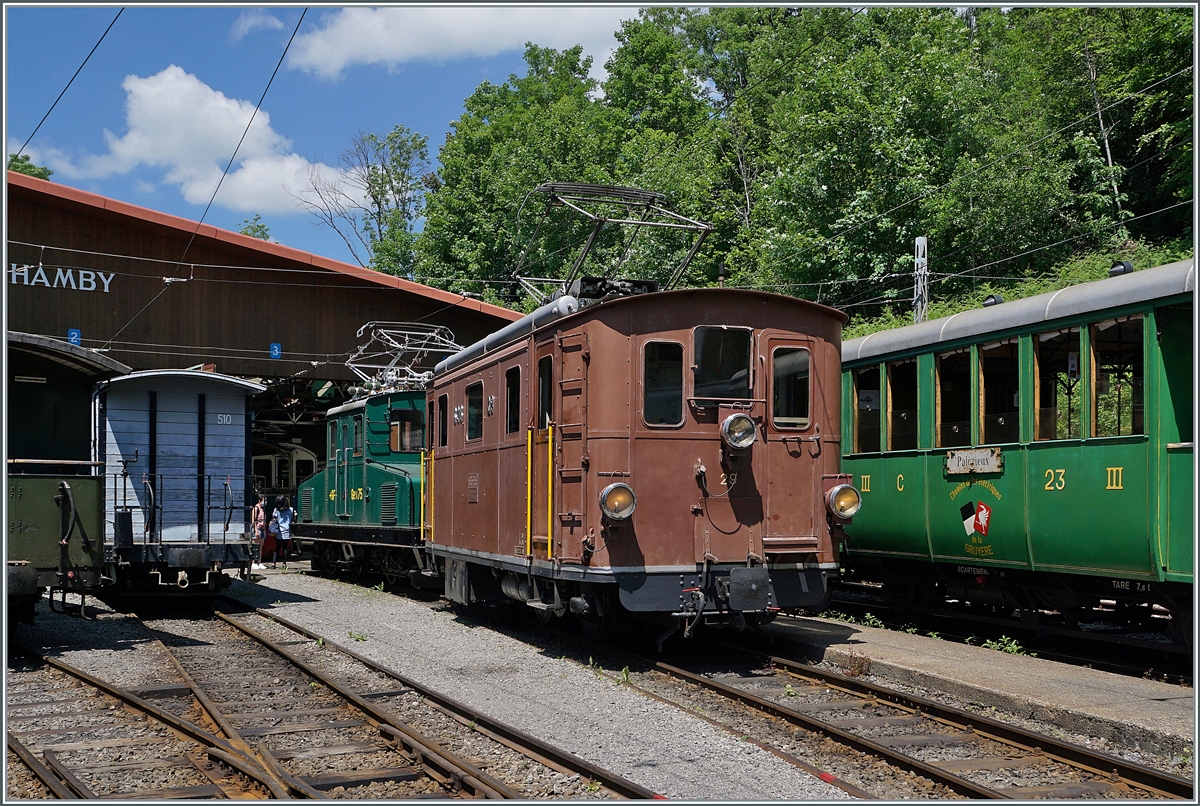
[(571, 438), (541, 462), (342, 471), (791, 447)]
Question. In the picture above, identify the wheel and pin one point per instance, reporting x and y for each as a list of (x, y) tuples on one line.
[(391, 579), (543, 616)]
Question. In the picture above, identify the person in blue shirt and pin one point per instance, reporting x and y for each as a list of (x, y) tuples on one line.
[(283, 516)]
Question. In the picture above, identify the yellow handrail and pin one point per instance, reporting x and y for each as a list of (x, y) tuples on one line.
[(529, 492), (550, 494), (432, 508), (422, 533)]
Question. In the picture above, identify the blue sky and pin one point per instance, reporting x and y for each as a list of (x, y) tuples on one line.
[(155, 115)]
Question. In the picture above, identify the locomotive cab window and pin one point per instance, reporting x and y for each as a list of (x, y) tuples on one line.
[(789, 387), (545, 385), (475, 411), (722, 364), (358, 435), (512, 400), (954, 398), (1117, 408), (999, 392), (443, 409), (662, 381), (1058, 385), (406, 430), (866, 410), (333, 426), (902, 405)]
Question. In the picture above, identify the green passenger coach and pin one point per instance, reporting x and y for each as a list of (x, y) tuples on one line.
[(1031, 455)]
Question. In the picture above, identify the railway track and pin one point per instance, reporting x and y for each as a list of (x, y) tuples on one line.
[(421, 705), (82, 738), (962, 753)]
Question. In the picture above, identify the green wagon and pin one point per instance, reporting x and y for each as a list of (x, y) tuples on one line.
[(1032, 455)]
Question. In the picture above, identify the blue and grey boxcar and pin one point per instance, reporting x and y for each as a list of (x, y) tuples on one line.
[(176, 451)]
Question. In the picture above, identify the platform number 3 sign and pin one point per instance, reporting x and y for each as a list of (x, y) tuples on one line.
[(276, 350)]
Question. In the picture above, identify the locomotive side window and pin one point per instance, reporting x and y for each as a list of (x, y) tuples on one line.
[(443, 413), (789, 395), (358, 435), (475, 411), (662, 402), (999, 392), (406, 430), (1118, 379), (1059, 392), (545, 385), (954, 398), (866, 419), (332, 438), (512, 400), (722, 364), (902, 405)]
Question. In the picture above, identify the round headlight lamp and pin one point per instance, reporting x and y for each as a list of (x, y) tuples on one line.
[(618, 501), (843, 501), (739, 431)]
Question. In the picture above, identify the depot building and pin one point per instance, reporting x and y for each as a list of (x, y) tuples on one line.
[(155, 291)]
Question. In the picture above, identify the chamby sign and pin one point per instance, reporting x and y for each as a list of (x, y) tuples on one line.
[(76, 279)]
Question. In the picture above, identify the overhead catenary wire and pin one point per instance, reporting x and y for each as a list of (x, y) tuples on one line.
[(21, 150), (224, 173)]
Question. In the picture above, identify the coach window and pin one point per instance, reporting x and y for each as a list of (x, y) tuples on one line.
[(866, 411), (512, 400), (407, 431), (999, 392), (902, 405), (475, 411), (722, 364), (1056, 378), (662, 383), (358, 435), (789, 387), (545, 385), (443, 415), (954, 398), (1117, 353)]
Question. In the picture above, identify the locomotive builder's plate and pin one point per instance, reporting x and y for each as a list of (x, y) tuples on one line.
[(974, 460)]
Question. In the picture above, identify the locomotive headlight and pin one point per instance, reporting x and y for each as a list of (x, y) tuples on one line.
[(618, 501), (843, 501), (738, 431)]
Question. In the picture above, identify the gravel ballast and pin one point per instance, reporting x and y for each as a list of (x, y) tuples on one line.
[(559, 701)]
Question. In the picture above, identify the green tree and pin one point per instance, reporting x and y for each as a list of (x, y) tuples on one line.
[(23, 165), (374, 200), (255, 228)]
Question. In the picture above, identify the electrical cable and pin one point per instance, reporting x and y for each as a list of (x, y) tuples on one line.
[(69, 83)]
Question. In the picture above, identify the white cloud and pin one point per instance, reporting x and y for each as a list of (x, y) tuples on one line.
[(181, 126), (393, 36), (254, 20)]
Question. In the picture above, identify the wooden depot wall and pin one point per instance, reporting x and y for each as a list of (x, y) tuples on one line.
[(111, 271)]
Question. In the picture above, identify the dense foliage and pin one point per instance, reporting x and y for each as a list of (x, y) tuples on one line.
[(23, 165), (821, 141)]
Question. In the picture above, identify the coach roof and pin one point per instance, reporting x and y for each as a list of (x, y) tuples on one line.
[(1125, 289)]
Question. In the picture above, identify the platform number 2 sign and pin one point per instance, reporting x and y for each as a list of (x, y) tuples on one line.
[(1055, 479)]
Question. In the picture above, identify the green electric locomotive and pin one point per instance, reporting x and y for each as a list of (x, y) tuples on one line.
[(363, 511), (1032, 455)]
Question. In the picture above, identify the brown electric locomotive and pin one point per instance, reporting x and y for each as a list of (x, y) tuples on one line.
[(672, 454)]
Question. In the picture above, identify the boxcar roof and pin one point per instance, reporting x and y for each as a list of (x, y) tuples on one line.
[(1113, 292), (82, 360), (173, 374)]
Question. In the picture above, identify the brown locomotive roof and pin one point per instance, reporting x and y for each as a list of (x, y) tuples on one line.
[(103, 207)]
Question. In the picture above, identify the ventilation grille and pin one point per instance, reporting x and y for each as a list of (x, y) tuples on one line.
[(306, 504), (387, 505)]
